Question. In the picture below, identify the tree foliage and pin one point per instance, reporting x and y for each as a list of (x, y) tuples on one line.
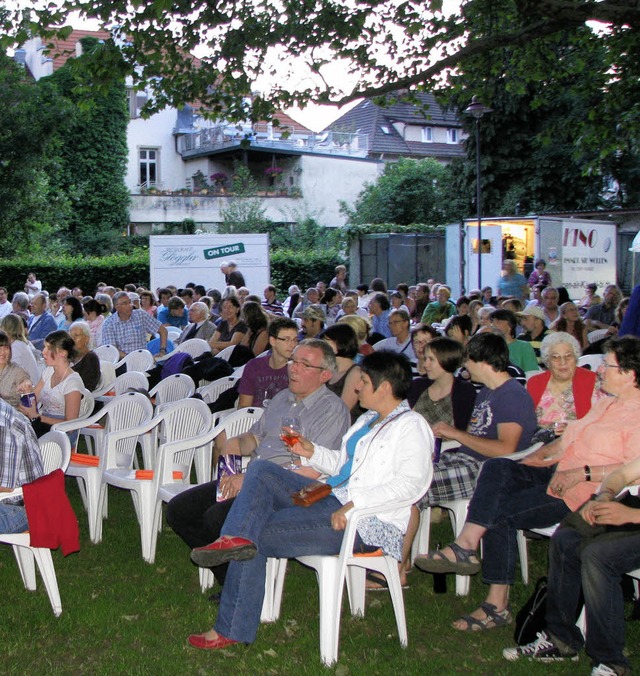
[(28, 119), (243, 212), (408, 191), (381, 45), (92, 155)]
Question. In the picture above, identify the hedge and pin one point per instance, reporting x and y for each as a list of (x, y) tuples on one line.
[(287, 267)]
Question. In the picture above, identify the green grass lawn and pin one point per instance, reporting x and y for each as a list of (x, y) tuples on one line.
[(121, 615)]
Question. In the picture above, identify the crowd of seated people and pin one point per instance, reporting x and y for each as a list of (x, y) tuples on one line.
[(467, 357)]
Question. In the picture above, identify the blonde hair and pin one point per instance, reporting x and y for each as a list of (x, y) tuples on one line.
[(14, 327), (359, 324)]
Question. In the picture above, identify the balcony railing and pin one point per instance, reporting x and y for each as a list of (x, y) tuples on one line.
[(220, 137)]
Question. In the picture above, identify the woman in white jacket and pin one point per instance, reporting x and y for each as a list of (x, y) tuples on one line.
[(385, 457)]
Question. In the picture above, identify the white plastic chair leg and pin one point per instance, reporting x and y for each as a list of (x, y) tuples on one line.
[(26, 566), (523, 554), (206, 578), (48, 573), (273, 586)]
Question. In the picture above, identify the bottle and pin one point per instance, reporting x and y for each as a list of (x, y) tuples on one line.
[(439, 579)]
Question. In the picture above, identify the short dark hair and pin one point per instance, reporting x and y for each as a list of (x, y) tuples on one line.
[(130, 287), (390, 367), (279, 323), (363, 287), (185, 293), (164, 292), (377, 284), (345, 339), (383, 300), (463, 322), (489, 348), (200, 290), (627, 353), (424, 328), (448, 352), (506, 316), (463, 300), (175, 303)]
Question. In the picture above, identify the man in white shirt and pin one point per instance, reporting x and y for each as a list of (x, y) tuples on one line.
[(400, 340), (5, 305)]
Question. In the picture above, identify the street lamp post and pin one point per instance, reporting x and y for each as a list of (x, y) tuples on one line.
[(477, 110)]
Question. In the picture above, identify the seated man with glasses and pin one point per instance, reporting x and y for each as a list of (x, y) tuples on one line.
[(195, 515), (400, 341)]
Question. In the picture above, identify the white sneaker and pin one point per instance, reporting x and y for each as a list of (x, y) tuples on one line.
[(542, 650), (603, 670)]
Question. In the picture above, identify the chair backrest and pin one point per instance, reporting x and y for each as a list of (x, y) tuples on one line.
[(213, 390), (193, 347), (226, 353), (173, 388), (591, 361), (173, 333), (86, 404), (138, 360), (107, 353), (240, 421), (185, 419), (107, 375), (127, 410), (55, 450), (130, 379)]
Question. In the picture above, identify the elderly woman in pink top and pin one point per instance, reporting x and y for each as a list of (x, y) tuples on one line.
[(544, 487)]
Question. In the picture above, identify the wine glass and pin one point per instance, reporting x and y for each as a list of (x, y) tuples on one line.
[(291, 431)]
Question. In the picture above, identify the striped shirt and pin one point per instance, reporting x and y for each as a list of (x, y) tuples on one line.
[(129, 335), (20, 460)]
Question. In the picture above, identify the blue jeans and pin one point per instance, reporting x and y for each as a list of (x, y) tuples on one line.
[(510, 496), (13, 519), (264, 513), (597, 568)]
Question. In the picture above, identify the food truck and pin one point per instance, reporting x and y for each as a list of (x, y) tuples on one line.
[(577, 251)]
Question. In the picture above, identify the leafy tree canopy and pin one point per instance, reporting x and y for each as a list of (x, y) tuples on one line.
[(408, 191), (383, 45)]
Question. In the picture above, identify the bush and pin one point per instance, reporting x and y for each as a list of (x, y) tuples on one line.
[(117, 269), (303, 268)]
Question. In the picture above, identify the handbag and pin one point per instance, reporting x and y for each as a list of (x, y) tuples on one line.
[(314, 492), (530, 619)]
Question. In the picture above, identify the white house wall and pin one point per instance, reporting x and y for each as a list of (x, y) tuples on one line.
[(326, 180), (155, 132)]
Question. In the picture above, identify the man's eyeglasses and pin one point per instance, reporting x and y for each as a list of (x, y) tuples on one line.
[(303, 364)]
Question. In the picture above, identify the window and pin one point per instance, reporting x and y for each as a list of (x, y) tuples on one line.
[(427, 134), (384, 129), (135, 100), (452, 135), (149, 166)]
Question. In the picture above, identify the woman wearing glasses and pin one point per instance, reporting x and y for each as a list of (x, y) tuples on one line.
[(565, 392), (544, 487)]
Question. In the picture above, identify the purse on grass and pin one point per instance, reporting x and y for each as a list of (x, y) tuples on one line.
[(312, 493)]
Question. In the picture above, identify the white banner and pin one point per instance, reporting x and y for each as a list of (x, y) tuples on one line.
[(180, 259), (588, 255)]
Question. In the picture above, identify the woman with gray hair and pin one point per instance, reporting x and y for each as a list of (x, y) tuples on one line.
[(86, 362), (564, 392)]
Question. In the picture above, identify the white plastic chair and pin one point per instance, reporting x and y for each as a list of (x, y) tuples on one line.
[(233, 425), (108, 353), (129, 380), (194, 347), (595, 336), (107, 375), (173, 388), (332, 571), (122, 413), (173, 333), (138, 360), (182, 421), (226, 353), (591, 361), (211, 391), (55, 451)]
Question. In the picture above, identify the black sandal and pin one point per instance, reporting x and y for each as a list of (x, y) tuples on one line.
[(436, 562)]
